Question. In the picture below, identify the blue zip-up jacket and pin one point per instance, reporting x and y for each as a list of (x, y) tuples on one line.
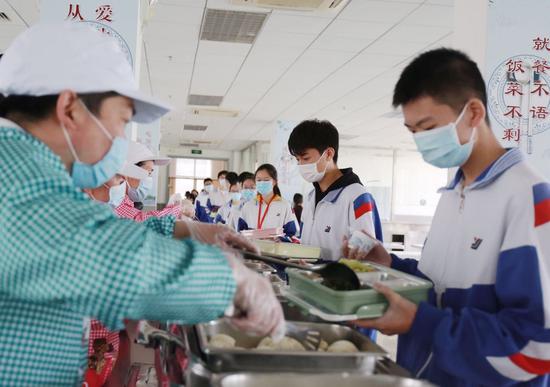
[(487, 322)]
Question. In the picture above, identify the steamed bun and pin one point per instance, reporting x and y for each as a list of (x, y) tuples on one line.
[(342, 346), (286, 344), (222, 341), (323, 346)]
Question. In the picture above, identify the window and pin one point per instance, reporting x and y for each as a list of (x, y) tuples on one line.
[(187, 174)]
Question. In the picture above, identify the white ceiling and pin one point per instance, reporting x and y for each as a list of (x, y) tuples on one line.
[(340, 66)]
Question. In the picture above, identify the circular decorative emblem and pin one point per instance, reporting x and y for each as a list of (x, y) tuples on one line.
[(105, 29), (519, 93)]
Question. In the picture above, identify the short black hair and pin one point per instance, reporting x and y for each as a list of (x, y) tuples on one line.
[(232, 178), (220, 173), (298, 198), (207, 180), (33, 109), (314, 134), (245, 176), (449, 76)]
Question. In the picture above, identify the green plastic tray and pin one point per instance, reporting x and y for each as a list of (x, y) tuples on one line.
[(365, 303)]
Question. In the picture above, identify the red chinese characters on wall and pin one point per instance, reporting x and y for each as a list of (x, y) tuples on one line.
[(540, 66), (540, 44), (511, 135), (74, 12), (515, 66), (513, 89), (103, 13), (540, 112), (513, 111)]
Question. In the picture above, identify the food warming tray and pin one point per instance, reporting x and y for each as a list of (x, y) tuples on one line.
[(252, 360), (325, 380)]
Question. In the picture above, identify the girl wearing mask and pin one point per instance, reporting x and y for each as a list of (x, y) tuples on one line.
[(268, 209)]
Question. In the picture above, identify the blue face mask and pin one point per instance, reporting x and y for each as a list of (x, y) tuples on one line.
[(248, 194), (264, 187), (140, 193), (117, 194), (236, 196), (441, 147), (95, 175)]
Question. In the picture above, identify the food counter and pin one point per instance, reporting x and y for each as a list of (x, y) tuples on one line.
[(216, 354)]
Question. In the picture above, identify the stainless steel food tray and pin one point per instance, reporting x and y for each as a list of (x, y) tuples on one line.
[(251, 359), (324, 380)]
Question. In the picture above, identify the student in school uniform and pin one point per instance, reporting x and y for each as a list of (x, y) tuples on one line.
[(230, 213), (220, 193), (339, 203), (268, 209), (203, 205), (487, 319), (247, 181)]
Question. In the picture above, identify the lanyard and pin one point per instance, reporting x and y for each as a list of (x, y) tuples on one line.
[(261, 222)]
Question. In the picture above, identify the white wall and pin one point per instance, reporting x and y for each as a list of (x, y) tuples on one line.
[(253, 156)]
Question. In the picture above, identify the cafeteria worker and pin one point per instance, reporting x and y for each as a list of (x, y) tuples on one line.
[(68, 92)]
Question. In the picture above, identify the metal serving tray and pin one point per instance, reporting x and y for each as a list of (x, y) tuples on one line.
[(307, 290), (253, 360), (324, 380), (259, 267)]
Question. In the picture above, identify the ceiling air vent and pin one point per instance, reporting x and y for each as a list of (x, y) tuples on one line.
[(205, 112), (205, 100), (188, 144), (298, 5), (196, 128), (232, 26)]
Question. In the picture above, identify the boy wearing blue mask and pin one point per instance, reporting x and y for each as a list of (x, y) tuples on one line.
[(247, 182), (487, 321)]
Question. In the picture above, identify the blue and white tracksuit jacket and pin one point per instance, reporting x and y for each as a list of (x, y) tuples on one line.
[(488, 255), (229, 214), (203, 208)]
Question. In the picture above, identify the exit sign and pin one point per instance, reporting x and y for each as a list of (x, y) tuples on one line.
[(196, 152)]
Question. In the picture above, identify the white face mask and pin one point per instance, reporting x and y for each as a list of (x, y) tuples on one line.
[(117, 194), (209, 188), (310, 173)]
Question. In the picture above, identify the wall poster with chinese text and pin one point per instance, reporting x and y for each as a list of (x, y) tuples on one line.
[(118, 19), (518, 77)]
